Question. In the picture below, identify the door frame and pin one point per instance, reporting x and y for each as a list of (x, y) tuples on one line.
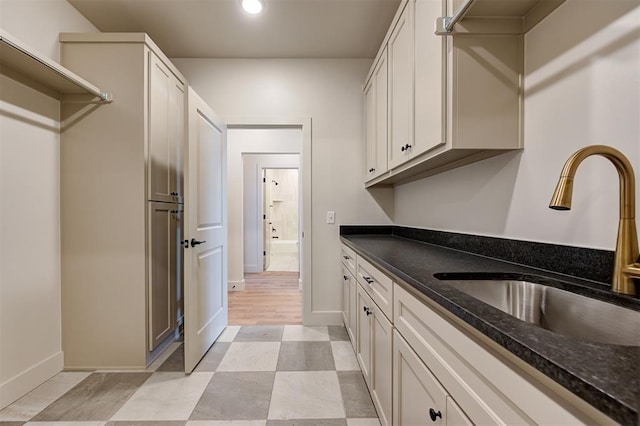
[(304, 124)]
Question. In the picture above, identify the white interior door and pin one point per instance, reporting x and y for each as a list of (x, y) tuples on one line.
[(206, 310)]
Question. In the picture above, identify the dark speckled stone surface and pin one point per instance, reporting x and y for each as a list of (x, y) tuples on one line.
[(605, 376)]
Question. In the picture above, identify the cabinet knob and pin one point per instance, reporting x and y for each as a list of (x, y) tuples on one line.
[(367, 311), (346, 278), (403, 148), (434, 414)]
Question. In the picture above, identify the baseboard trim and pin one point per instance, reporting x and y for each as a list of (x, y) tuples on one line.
[(323, 318), (235, 285), (30, 379)]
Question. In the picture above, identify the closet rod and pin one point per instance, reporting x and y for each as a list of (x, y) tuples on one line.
[(46, 63), (449, 21)]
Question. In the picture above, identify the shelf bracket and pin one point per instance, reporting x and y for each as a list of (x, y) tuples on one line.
[(444, 25)]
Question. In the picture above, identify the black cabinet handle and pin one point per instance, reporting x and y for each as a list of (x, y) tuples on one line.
[(403, 149), (434, 415), (346, 278), (367, 311), (175, 194), (195, 242), (367, 279), (346, 257)]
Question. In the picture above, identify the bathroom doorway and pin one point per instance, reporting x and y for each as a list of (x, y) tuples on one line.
[(280, 220)]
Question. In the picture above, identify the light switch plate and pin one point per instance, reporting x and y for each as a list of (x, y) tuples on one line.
[(331, 218)]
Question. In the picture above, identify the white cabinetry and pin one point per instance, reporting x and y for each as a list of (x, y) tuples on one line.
[(374, 354), (481, 383), (376, 116), (419, 399), (452, 100), (422, 365), (349, 284), (121, 189), (400, 51)]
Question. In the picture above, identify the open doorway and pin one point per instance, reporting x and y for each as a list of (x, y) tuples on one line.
[(257, 154), (280, 220)]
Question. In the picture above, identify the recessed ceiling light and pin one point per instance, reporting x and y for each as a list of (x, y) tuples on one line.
[(252, 6)]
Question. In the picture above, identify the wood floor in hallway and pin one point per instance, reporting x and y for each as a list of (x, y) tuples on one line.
[(269, 298)]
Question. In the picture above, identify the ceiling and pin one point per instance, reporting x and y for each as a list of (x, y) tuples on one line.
[(221, 29)]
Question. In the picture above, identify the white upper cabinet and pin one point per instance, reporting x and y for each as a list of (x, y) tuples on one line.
[(400, 51), (377, 118), (451, 100)]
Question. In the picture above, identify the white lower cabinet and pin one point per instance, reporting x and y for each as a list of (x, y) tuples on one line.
[(418, 397), (374, 352), (349, 304)]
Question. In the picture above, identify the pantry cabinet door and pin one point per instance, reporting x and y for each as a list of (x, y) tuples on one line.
[(206, 309)]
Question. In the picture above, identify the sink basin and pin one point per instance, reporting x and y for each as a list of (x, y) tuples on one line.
[(558, 310)]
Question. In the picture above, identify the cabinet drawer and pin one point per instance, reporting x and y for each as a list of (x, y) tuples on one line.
[(479, 381), (348, 257), (377, 285)]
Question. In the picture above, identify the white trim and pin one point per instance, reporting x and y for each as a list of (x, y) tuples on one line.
[(30, 379), (323, 318), (303, 123), (236, 285)]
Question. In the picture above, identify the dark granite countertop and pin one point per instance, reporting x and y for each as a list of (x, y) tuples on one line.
[(605, 376)]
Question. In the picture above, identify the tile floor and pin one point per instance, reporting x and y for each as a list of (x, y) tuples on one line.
[(252, 376)]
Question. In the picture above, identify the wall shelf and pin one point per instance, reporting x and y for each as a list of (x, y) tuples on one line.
[(19, 61), (495, 16)]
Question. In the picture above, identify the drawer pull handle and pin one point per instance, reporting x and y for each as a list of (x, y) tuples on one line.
[(367, 311), (367, 279), (434, 415), (346, 278), (346, 257)]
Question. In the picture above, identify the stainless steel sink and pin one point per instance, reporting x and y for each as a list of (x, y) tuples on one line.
[(557, 310)]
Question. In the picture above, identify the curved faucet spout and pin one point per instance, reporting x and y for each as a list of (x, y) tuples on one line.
[(625, 267)]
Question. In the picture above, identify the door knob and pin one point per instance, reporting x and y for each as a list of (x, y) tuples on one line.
[(195, 242)]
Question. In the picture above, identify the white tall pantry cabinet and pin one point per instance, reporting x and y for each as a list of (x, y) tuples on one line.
[(121, 198)]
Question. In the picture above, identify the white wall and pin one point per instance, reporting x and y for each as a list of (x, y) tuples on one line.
[(30, 318), (582, 88), (330, 92), (252, 208)]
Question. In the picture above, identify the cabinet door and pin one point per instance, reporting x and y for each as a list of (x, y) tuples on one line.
[(382, 368), (429, 78), (164, 263), (455, 415), (418, 397), (400, 51), (346, 300), (176, 139), (364, 333), (376, 112), (166, 132)]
